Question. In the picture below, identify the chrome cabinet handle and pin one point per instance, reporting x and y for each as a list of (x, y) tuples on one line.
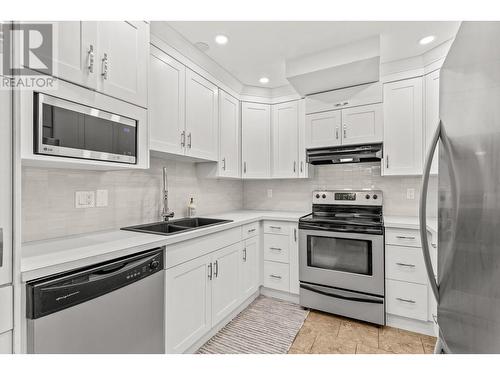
[(345, 103), (104, 73), (276, 249), (189, 140), (434, 245), (245, 254), (406, 265), (275, 276), (386, 161), (345, 131), (294, 166), (183, 138), (274, 227), (91, 57), (216, 271), (224, 163), (295, 234), (244, 167), (210, 271), (1, 247), (301, 166), (405, 300), (251, 230), (336, 133), (406, 237)]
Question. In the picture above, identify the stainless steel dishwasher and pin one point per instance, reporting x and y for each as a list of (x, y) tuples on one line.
[(113, 307)]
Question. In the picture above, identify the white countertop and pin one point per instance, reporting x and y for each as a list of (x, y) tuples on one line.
[(410, 222), (48, 257)]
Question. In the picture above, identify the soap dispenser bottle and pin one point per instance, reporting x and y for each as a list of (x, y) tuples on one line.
[(191, 208)]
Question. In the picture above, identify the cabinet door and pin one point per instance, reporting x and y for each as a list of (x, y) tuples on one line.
[(229, 136), (6, 342), (294, 261), (76, 54), (122, 63), (256, 140), (323, 129), (189, 309), (226, 282), (166, 103), (431, 114), (362, 124), (285, 146), (202, 116), (303, 166), (250, 267), (403, 127), (5, 187)]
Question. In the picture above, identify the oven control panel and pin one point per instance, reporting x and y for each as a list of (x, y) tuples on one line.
[(358, 197)]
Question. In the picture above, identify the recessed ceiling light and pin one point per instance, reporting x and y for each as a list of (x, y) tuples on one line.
[(221, 39), (427, 39), (264, 80)]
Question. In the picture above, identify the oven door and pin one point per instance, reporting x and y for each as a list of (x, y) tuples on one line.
[(65, 128), (350, 261)]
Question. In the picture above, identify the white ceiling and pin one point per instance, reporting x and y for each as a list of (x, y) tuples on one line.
[(260, 48)]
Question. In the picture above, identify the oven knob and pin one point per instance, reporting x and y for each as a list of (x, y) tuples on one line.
[(324, 196), (367, 196), (375, 196), (154, 264), (317, 196)]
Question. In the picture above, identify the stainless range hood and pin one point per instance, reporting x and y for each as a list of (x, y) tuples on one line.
[(345, 154)]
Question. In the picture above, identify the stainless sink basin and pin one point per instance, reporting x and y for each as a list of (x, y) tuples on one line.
[(176, 226)]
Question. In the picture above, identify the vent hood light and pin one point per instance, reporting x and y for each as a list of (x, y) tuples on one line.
[(346, 160)]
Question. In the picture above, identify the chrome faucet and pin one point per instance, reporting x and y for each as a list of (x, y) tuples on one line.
[(166, 213)]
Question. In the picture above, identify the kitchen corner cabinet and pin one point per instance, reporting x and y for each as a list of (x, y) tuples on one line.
[(256, 140), (166, 103), (107, 56), (202, 116), (285, 143), (229, 136), (403, 127), (431, 84)]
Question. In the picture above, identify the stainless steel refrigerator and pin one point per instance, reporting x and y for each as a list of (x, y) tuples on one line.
[(468, 285)]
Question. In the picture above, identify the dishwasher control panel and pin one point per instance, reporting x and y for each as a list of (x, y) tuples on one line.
[(48, 295)]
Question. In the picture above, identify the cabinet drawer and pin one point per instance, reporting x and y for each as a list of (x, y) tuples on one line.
[(276, 248), (406, 299), (250, 230), (402, 237), (276, 276), (277, 227), (405, 264), (6, 309)]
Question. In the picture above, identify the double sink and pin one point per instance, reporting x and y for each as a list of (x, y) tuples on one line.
[(171, 227)]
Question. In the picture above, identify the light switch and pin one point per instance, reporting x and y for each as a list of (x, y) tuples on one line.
[(84, 199), (410, 193), (101, 198)]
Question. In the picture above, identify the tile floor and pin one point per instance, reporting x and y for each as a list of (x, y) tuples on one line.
[(331, 334)]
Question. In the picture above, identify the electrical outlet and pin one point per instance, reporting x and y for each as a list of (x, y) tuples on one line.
[(269, 193), (84, 199), (410, 193), (101, 198)]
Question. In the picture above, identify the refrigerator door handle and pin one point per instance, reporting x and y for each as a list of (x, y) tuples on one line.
[(423, 211)]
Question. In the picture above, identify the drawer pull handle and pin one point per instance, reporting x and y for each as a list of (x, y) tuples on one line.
[(275, 276), (434, 245), (275, 248), (406, 237), (251, 230), (405, 300), (274, 227), (245, 254), (406, 265)]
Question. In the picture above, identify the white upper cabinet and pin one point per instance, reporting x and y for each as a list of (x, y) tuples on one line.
[(431, 114), (166, 103), (403, 127), (123, 56), (323, 129), (76, 55), (256, 138), (202, 116), (285, 146), (229, 136), (362, 124)]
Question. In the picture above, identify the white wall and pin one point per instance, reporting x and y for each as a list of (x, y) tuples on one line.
[(295, 195), (48, 198)]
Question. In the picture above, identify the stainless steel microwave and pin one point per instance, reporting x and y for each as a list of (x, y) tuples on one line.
[(68, 129)]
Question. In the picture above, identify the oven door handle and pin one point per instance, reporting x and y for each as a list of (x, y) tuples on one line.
[(355, 299), (347, 230)]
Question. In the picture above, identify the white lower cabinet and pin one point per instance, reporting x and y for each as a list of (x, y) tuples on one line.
[(407, 299), (6, 309), (277, 276), (250, 261), (6, 342)]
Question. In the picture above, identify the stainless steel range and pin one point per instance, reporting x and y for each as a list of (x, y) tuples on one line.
[(341, 255)]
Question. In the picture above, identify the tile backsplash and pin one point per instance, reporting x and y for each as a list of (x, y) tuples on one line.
[(295, 195), (134, 196)]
